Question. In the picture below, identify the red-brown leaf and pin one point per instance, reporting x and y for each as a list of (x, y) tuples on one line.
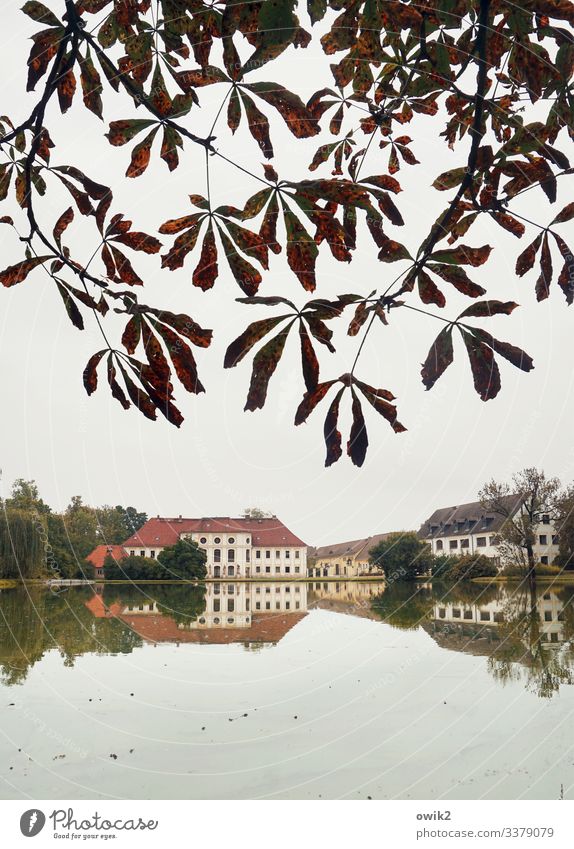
[(330, 430), (90, 375), (358, 440), (264, 364), (310, 401), (439, 358), (485, 371), (245, 342), (16, 273), (309, 361), (206, 271)]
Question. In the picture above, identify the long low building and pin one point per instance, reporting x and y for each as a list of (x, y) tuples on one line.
[(240, 548), (343, 559), (470, 529)]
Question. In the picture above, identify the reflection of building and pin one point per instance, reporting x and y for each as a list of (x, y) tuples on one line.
[(234, 547), (343, 559), (350, 597), (248, 613), (469, 529), (98, 556), (456, 616)]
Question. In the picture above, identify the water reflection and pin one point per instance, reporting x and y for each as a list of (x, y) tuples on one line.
[(521, 638)]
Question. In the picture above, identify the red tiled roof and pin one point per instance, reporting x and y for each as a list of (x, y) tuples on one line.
[(98, 608), (100, 552), (163, 532), (265, 628)]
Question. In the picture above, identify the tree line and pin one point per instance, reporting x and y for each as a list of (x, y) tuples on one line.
[(36, 540)]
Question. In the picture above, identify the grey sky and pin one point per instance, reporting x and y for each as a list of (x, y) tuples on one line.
[(223, 459)]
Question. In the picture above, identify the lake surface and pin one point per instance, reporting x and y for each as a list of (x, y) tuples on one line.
[(273, 690)]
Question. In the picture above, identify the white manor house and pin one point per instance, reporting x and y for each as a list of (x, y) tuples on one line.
[(239, 548), (470, 529)]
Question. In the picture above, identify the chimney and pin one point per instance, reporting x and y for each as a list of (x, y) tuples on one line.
[(179, 519)]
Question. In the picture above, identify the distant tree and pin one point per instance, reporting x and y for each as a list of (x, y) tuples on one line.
[(464, 568), (25, 496), (256, 513), (183, 561), (537, 495), (565, 527), (21, 545), (404, 606), (131, 568), (402, 556)]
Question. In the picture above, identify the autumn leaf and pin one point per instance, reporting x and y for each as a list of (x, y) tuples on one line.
[(90, 375), (245, 342), (485, 372), (309, 361), (264, 365), (17, 273), (487, 308), (439, 358), (358, 440), (330, 431)]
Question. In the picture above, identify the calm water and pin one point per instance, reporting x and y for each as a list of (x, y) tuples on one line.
[(286, 691)]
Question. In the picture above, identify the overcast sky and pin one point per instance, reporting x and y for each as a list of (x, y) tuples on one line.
[(222, 459)]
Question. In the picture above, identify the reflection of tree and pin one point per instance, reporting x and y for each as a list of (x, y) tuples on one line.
[(34, 621), (404, 605), (523, 652), (181, 603)]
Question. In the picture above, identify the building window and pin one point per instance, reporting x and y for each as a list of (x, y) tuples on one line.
[(439, 545), (277, 570), (492, 541), (132, 553), (287, 569), (268, 569), (297, 555), (231, 555), (152, 554), (277, 555), (217, 540), (455, 613), (258, 568), (545, 519), (543, 539), (453, 543), (544, 560), (230, 605), (217, 620), (287, 555), (485, 616), (231, 540), (247, 540), (297, 570), (548, 616), (142, 553), (217, 555), (216, 605), (267, 555), (267, 605), (464, 543), (467, 614), (203, 540), (247, 556), (554, 539), (257, 605), (481, 542), (442, 612), (258, 555), (267, 590)]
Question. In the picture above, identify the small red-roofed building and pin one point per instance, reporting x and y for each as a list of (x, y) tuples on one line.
[(98, 556), (241, 548)]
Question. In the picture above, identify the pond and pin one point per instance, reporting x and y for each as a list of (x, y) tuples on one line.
[(326, 690)]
